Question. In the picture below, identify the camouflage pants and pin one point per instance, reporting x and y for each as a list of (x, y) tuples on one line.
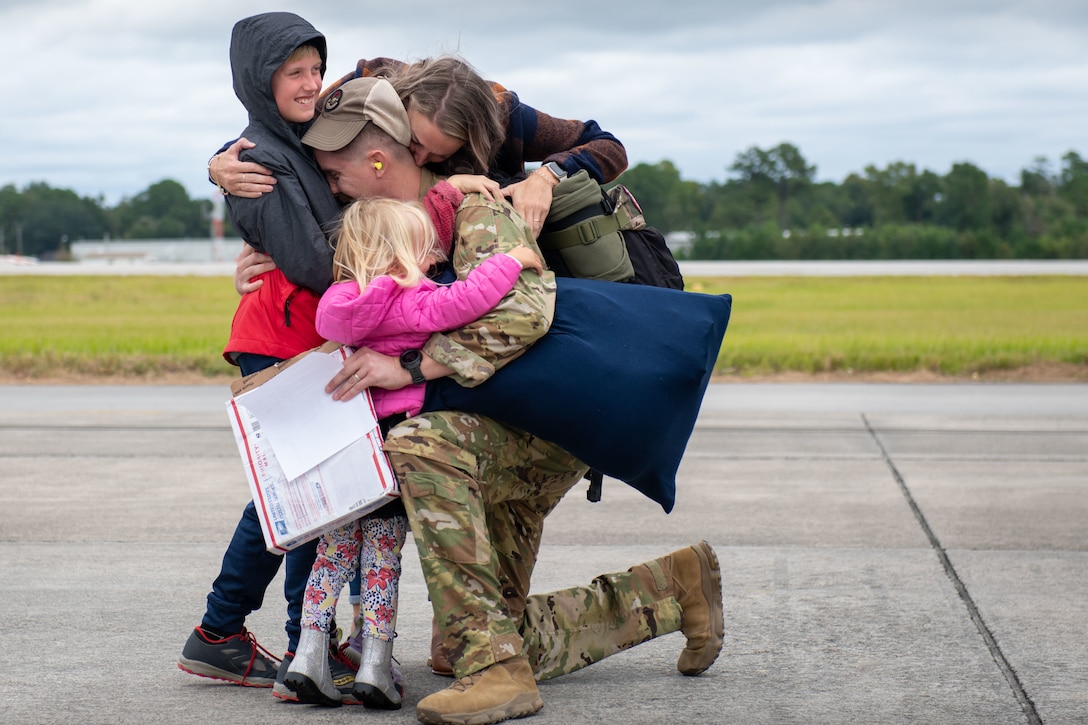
[(477, 493)]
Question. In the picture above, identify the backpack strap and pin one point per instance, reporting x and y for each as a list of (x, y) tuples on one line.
[(586, 231)]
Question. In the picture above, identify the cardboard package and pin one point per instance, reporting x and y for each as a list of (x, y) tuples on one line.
[(312, 463)]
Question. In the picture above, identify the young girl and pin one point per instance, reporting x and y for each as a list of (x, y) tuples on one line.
[(384, 300)]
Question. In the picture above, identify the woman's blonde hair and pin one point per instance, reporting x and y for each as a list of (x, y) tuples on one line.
[(384, 236)]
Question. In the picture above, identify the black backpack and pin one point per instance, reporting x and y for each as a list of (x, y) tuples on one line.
[(652, 259)]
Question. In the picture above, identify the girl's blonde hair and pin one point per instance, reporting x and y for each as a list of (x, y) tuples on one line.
[(384, 236)]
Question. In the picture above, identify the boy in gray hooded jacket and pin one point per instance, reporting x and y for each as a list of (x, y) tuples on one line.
[(278, 62)]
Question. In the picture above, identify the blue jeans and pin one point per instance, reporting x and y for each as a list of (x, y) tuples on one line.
[(248, 568), (355, 590)]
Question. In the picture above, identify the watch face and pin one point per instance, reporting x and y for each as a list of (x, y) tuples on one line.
[(411, 360)]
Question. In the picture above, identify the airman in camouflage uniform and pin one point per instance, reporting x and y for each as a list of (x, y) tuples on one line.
[(477, 491)]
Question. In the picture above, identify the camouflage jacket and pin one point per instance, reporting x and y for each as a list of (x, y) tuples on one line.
[(483, 228)]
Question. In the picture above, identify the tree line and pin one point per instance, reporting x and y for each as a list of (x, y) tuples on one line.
[(40, 220), (771, 207)]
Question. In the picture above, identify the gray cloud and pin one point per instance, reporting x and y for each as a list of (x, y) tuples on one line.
[(118, 94)]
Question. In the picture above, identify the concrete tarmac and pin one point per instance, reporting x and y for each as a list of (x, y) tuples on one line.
[(890, 554)]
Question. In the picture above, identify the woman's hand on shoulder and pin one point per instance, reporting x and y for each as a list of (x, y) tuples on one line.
[(246, 179), (532, 198), (470, 183)]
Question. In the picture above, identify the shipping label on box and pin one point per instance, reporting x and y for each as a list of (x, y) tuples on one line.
[(337, 471)]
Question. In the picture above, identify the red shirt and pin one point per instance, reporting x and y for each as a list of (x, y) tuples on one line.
[(276, 320)]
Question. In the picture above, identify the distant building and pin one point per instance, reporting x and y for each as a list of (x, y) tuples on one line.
[(109, 251), (680, 241)]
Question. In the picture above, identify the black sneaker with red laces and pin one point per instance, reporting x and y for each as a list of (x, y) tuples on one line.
[(237, 658)]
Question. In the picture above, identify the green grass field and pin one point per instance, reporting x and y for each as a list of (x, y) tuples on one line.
[(954, 326), (946, 325), (129, 326)]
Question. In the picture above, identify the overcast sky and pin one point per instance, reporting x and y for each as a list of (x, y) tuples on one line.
[(110, 96)]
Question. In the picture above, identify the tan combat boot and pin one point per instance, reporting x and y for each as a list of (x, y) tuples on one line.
[(502, 691), (697, 586)]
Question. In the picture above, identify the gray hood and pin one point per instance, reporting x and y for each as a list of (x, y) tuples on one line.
[(258, 46), (291, 223)]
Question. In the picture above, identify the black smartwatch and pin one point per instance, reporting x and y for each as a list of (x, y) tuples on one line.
[(410, 360), (558, 171)]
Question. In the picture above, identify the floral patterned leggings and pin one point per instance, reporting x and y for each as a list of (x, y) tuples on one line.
[(368, 547)]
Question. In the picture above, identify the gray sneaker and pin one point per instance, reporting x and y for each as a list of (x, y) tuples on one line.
[(343, 677), (342, 668), (238, 659)]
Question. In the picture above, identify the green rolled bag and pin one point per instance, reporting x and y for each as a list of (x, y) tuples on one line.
[(583, 232)]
